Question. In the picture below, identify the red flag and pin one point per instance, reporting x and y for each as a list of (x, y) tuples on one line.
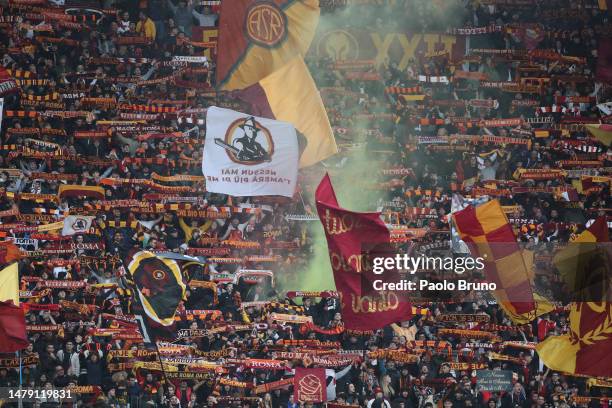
[(348, 234), (309, 385), (13, 335)]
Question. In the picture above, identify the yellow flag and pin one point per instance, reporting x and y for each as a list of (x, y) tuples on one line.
[(294, 98), (9, 284), (289, 94)]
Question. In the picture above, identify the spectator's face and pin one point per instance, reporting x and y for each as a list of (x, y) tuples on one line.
[(50, 349)]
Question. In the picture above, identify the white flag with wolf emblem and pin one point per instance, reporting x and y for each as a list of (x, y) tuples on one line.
[(77, 224), (247, 155)]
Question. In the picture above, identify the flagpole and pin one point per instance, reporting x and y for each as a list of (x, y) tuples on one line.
[(154, 341), (130, 284), (20, 402), (136, 298)]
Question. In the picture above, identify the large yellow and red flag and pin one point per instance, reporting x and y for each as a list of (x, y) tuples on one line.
[(258, 37), (488, 234), (585, 267), (289, 94)]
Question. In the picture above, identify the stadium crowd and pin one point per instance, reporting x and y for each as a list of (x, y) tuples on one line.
[(108, 124)]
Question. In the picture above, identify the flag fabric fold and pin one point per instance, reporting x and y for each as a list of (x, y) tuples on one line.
[(290, 94), (13, 336), (349, 234)]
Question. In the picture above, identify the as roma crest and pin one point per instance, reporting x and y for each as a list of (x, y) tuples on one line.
[(79, 224), (247, 142), (266, 24)]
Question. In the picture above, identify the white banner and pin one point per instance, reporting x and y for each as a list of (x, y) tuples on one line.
[(249, 156), (77, 224)]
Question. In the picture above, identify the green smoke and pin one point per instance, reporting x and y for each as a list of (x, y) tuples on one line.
[(352, 172), (350, 178)]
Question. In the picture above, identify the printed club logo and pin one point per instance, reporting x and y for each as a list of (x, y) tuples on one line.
[(80, 224), (247, 142), (310, 388), (266, 24)]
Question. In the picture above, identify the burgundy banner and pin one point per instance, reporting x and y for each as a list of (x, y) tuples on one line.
[(345, 231), (309, 385)]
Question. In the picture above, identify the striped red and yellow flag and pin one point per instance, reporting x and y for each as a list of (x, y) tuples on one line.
[(488, 234)]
